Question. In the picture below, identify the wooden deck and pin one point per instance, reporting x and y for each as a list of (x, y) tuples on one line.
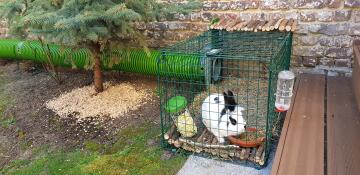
[(321, 132)]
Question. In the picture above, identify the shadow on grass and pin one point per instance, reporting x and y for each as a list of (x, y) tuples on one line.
[(137, 151)]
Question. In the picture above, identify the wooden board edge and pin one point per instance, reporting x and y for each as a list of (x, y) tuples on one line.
[(356, 72), (280, 147)]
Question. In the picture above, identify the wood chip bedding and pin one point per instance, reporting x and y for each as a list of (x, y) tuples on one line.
[(114, 102)]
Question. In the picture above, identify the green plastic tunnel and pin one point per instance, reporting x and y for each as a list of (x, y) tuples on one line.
[(136, 61)]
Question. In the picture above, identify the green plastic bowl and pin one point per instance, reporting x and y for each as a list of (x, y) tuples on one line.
[(176, 104)]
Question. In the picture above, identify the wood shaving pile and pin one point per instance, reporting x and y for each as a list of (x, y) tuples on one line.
[(114, 102)]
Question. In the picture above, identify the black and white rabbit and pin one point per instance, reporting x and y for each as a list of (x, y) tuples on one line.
[(222, 115)]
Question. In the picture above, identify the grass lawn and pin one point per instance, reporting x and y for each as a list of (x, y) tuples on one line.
[(131, 154)]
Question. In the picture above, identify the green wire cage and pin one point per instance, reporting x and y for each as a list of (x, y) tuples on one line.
[(226, 106)]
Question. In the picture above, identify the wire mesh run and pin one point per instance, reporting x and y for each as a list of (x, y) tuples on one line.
[(222, 101)]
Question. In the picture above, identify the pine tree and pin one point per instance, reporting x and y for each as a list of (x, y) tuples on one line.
[(99, 25)]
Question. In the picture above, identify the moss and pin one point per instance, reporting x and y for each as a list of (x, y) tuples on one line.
[(131, 154), (92, 146)]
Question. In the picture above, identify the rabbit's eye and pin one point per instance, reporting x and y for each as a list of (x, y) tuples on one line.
[(216, 99), (232, 120)]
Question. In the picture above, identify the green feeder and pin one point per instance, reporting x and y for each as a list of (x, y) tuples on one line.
[(176, 104)]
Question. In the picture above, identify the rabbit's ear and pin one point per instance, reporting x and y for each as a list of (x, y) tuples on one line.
[(226, 98), (231, 103), (231, 94)]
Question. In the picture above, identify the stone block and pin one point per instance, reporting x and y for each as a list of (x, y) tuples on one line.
[(179, 25), (326, 62), (215, 5), (338, 53), (248, 16), (244, 4), (296, 61), (182, 17), (274, 4), (208, 16), (343, 63), (342, 15), (352, 3), (230, 5), (354, 30), (336, 41), (325, 16), (310, 4), (334, 29), (356, 15), (307, 16), (157, 26), (308, 51), (308, 40), (310, 61), (335, 3), (195, 16), (178, 36), (199, 27)]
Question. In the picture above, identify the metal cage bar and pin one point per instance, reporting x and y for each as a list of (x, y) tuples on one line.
[(247, 64)]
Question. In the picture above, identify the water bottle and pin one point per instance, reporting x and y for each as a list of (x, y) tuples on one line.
[(284, 91)]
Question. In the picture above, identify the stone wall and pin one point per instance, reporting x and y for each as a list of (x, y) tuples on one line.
[(322, 42)]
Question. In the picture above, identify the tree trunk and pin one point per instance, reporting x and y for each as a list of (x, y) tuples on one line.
[(98, 77)]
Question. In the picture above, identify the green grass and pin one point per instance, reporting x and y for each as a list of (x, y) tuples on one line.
[(129, 155)]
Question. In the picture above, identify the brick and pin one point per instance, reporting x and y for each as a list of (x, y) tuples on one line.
[(352, 3), (342, 15), (307, 16)]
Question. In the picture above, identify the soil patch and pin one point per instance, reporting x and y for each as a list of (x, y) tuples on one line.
[(29, 124)]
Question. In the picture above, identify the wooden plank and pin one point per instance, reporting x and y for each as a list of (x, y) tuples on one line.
[(303, 145), (343, 128), (280, 147), (356, 72)]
